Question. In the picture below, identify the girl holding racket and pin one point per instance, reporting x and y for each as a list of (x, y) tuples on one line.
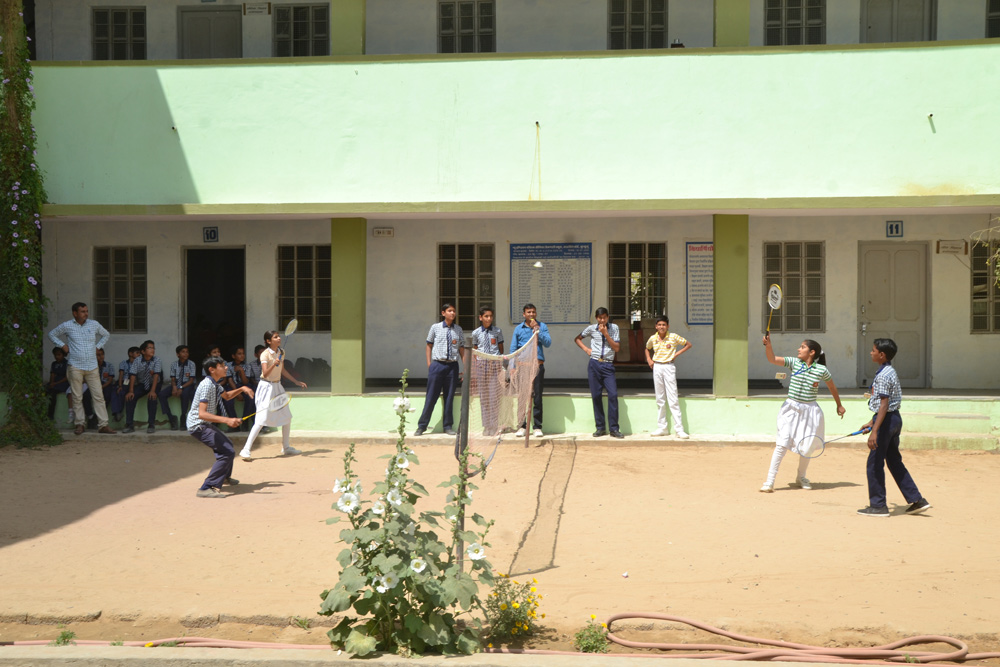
[(272, 367), (800, 415)]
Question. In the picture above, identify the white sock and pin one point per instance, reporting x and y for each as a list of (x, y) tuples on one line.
[(286, 434), (253, 434)]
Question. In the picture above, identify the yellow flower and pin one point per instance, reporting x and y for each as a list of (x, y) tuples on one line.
[(501, 574), (503, 606), (592, 617), (534, 580), (543, 615), (525, 626), (513, 631), (534, 590), (489, 646), (604, 625), (515, 581), (516, 605)]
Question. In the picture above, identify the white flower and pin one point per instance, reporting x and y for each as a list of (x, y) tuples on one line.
[(372, 547), (347, 502), (401, 405), (378, 507), (402, 461), (358, 488), (342, 485), (476, 551), (390, 580), (418, 565), (381, 589), (394, 497), (409, 530)]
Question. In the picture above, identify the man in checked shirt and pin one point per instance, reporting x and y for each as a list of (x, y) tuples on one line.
[(80, 333)]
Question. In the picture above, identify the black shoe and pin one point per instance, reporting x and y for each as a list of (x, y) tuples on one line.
[(920, 506), (600, 434), (128, 429), (150, 429), (174, 424), (617, 434), (875, 511), (418, 432), (449, 431)]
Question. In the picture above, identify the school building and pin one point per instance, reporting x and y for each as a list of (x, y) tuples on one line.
[(214, 169)]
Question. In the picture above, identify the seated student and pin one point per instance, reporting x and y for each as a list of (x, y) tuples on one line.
[(58, 382), (201, 425), (244, 376), (145, 376), (107, 373), (121, 388), (182, 379)]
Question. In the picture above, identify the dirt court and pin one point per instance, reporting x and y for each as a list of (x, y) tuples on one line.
[(109, 529)]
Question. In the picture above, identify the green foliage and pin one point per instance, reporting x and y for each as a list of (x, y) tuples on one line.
[(407, 586), (303, 622), (512, 608), (65, 638), (21, 198), (170, 644), (117, 642), (593, 638)]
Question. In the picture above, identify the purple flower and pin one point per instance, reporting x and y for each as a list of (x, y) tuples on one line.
[(27, 266), (31, 300), (16, 325), (19, 351), (13, 222), (14, 235), (13, 207), (14, 244), (32, 280)]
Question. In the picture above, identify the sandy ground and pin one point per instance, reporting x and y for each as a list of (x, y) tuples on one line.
[(107, 536)]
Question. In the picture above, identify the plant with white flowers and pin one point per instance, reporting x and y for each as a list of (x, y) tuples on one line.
[(407, 586)]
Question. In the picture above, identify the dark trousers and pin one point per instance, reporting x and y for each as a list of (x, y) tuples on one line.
[(118, 399), (440, 377), (217, 441), (140, 391), (886, 453), (163, 393), (601, 376), (536, 398)]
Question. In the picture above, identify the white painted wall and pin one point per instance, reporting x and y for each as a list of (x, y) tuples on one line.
[(402, 294), (957, 358), (961, 19), (68, 269), (393, 27)]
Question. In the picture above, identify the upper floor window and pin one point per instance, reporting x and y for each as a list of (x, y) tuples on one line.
[(119, 33), (637, 24), (304, 286), (798, 268), (637, 281), (466, 274), (301, 30), (467, 26), (993, 18), (985, 288), (120, 288), (791, 22)]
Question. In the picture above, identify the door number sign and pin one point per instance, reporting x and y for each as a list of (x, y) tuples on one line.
[(894, 229)]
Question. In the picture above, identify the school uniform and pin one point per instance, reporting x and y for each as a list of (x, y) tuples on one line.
[(209, 392), (799, 415), (249, 406), (180, 374), (446, 345), (267, 389), (886, 453), (487, 341), (665, 379), (601, 374), (141, 374), (57, 376), (107, 372)]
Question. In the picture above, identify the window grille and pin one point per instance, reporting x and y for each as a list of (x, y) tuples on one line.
[(799, 269), (792, 22), (466, 274), (301, 30), (120, 289), (118, 33), (637, 24), (304, 286), (985, 288), (637, 281), (467, 26)]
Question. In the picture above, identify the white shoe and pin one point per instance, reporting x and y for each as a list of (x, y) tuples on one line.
[(290, 451), (537, 433), (520, 433), (804, 483), (659, 431), (681, 435), (245, 454), (767, 488)]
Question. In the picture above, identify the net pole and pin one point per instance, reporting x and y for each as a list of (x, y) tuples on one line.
[(461, 445)]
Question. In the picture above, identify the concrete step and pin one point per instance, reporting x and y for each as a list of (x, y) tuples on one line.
[(948, 422)]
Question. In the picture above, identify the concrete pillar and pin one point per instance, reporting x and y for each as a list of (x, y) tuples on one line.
[(731, 265), (347, 27), (732, 23), (348, 250)]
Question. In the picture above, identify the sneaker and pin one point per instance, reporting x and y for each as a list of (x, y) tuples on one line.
[(767, 488), (174, 424), (150, 429), (210, 492), (520, 433), (245, 454), (659, 432), (537, 433), (804, 483), (874, 511), (681, 435), (419, 432), (128, 429), (617, 434), (290, 451), (600, 434), (231, 481), (920, 506), (106, 429), (450, 431)]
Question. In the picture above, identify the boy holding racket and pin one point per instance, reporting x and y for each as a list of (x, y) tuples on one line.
[(201, 421), (666, 348), (883, 440)]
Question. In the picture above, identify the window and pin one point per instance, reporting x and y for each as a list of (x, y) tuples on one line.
[(985, 288), (467, 27), (799, 269), (993, 18), (120, 289), (637, 281), (637, 24), (119, 33), (790, 22), (301, 30), (465, 279), (304, 286)]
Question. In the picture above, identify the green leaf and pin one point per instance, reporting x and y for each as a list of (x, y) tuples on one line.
[(359, 643), (353, 580), (387, 456), (481, 520), (418, 487), (413, 457), (468, 537), (337, 600), (332, 519), (366, 603), (344, 558), (413, 623), (468, 642), (339, 632), (438, 594)]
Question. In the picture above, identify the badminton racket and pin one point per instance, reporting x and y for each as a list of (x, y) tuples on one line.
[(813, 446), (278, 402), (774, 301)]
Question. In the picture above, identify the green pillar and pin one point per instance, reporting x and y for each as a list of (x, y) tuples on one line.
[(347, 27), (732, 22), (731, 235), (349, 237)]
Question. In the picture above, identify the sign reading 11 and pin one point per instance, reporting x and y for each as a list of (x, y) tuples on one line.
[(893, 229)]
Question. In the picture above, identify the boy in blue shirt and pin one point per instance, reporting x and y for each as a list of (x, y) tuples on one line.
[(445, 344), (604, 343), (883, 438), (118, 398), (522, 334), (182, 379), (145, 375)]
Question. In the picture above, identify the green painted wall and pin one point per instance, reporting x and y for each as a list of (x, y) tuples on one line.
[(347, 272), (732, 22), (840, 125), (730, 268), (347, 27)]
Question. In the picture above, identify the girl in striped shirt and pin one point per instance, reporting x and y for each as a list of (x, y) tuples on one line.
[(800, 415)]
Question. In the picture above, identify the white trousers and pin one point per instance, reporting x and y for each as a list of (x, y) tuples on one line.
[(93, 379), (665, 383), (795, 421)]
